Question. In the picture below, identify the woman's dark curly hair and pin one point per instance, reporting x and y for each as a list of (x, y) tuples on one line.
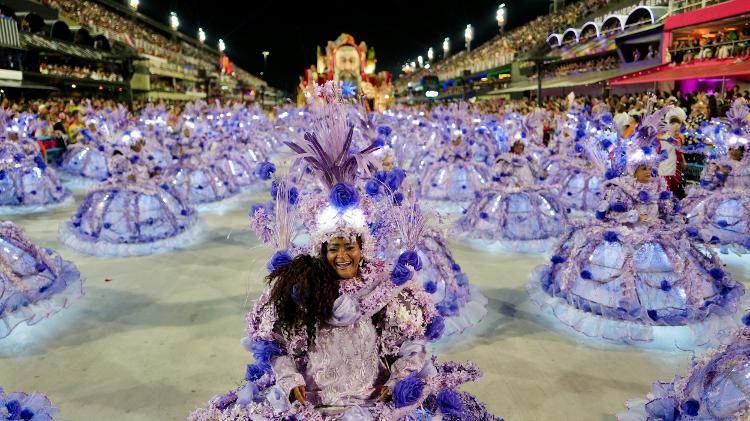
[(302, 292)]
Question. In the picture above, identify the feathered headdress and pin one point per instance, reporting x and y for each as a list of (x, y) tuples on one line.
[(327, 149)]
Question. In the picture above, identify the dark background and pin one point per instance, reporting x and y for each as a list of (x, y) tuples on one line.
[(290, 31)]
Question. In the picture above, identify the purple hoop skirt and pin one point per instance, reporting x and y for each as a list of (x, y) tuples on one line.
[(35, 283), (202, 185), (455, 181), (721, 218), (462, 305), (619, 284), (85, 164), (22, 406), (27, 189), (123, 220), (581, 191), (717, 388), (525, 220)]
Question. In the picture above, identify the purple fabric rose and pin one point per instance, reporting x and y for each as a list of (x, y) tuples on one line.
[(343, 196), (408, 391), (586, 274), (279, 259), (716, 273), (435, 328), (746, 319), (263, 351), (400, 274), (411, 258), (266, 170), (256, 371), (449, 403), (643, 196)]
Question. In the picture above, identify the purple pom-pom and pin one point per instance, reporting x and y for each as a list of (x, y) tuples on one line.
[(411, 258), (610, 236), (400, 274), (665, 285), (398, 198), (430, 287), (372, 188), (449, 403), (643, 196), (293, 196), (600, 215), (691, 407), (408, 391), (716, 273), (435, 328), (722, 223), (747, 243), (274, 189), (343, 196), (692, 231), (483, 215), (455, 267), (618, 207), (611, 173), (665, 195), (586, 274), (557, 259), (746, 319)]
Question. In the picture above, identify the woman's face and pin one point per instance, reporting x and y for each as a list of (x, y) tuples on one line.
[(643, 175), (344, 256)]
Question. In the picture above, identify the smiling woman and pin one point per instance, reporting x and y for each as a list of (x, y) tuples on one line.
[(344, 255)]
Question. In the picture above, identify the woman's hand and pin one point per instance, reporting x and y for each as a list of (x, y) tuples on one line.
[(298, 394), (385, 394)]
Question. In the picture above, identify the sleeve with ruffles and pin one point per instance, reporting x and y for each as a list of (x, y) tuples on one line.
[(286, 373)]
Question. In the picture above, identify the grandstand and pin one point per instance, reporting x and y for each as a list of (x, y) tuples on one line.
[(596, 47), (82, 45)]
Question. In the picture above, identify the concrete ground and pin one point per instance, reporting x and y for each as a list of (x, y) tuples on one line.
[(155, 337)]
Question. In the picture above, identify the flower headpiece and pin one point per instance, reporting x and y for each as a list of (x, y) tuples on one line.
[(327, 149), (739, 125), (643, 145)]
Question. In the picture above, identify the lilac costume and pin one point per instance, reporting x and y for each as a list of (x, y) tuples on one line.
[(28, 407), (716, 388), (620, 278), (380, 322), (26, 183), (131, 214), (35, 283), (512, 213)]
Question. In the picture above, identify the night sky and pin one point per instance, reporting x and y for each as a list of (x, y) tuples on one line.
[(398, 30)]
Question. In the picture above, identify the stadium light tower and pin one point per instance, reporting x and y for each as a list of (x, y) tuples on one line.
[(201, 35), (174, 22), (468, 36), (420, 60), (133, 4), (446, 47), (222, 46), (430, 54), (500, 16)]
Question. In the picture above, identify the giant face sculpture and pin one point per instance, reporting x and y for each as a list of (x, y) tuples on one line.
[(346, 62)]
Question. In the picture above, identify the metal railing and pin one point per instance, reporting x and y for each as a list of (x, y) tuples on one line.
[(681, 6)]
